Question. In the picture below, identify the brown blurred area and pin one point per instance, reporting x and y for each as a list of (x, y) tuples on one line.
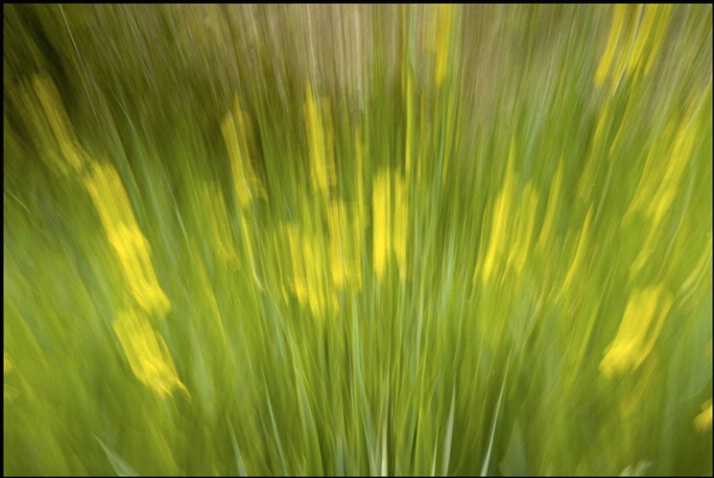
[(159, 64)]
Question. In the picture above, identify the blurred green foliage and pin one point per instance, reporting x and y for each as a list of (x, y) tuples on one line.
[(357, 239)]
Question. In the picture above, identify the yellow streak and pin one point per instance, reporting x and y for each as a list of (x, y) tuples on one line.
[(312, 281), (422, 143), (619, 67), (410, 126), (245, 181), (248, 244), (281, 276), (643, 36), (546, 231), (501, 215), (651, 176), (381, 222), (299, 282), (322, 297), (646, 251), (444, 20), (320, 143), (641, 324), (526, 218), (132, 249), (359, 174), (240, 182), (635, 397), (698, 271), (338, 251), (148, 355), (111, 202), (658, 37), (344, 252), (674, 171), (603, 68), (580, 252), (59, 122)]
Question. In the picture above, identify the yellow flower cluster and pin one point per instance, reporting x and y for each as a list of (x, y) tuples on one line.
[(662, 180), (323, 264), (511, 224), (105, 187), (145, 349), (147, 352), (246, 183), (634, 41), (73, 158), (110, 199), (641, 324), (630, 53), (311, 283), (325, 250), (390, 222)]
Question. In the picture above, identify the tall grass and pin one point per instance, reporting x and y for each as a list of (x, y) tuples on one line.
[(357, 240)]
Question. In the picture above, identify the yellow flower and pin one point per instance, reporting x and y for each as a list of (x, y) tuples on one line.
[(410, 129), (322, 168), (112, 203), (246, 183), (359, 174), (613, 39), (443, 35), (501, 214), (631, 46), (390, 221), (147, 353), (311, 278), (640, 326), (132, 249), (660, 28), (642, 38), (59, 123), (380, 222)]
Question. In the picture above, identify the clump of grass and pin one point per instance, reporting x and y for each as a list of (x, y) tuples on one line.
[(485, 250)]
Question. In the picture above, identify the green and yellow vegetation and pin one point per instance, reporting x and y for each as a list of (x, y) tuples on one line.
[(384, 240)]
